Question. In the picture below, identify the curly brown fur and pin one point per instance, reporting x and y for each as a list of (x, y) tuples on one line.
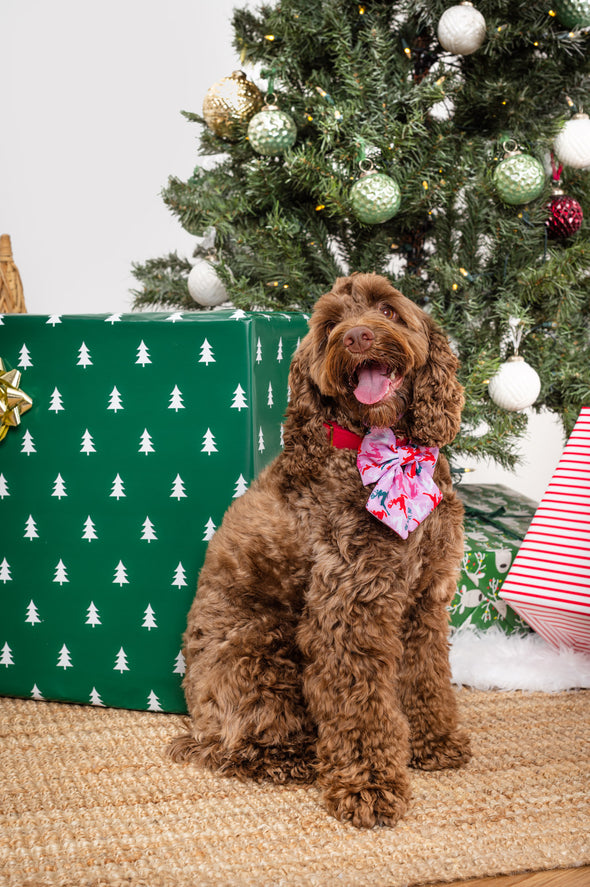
[(317, 643)]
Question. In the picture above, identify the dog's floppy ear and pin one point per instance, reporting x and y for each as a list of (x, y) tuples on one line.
[(435, 413), (304, 435)]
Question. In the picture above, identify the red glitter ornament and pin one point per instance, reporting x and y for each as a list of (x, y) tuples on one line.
[(565, 216)]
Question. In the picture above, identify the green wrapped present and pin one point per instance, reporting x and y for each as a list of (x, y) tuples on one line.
[(496, 520), (142, 430)]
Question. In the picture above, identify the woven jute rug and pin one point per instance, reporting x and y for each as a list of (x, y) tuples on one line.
[(89, 798)]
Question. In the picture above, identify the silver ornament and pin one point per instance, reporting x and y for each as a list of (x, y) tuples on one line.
[(515, 386), (572, 145), (461, 29), (204, 285)]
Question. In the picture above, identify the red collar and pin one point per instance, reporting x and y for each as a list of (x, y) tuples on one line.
[(341, 438)]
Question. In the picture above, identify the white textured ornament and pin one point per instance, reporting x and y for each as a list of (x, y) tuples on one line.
[(204, 285), (461, 29), (515, 386), (572, 144)]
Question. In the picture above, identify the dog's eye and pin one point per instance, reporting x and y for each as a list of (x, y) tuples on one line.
[(388, 311), (329, 327)]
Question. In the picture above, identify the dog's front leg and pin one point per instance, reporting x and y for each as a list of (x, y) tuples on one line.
[(348, 635)]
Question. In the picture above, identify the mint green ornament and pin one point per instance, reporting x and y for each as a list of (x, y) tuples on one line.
[(271, 131), (375, 198), (519, 178), (573, 13)]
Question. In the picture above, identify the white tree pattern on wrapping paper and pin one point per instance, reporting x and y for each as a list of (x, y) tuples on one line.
[(149, 620), (143, 354), (258, 351), (31, 528), (178, 488), (59, 487), (87, 443), (6, 656), (115, 402), (64, 659), (240, 487), (25, 358), (153, 702), (179, 576), (145, 443), (261, 447), (209, 530), (84, 359), (56, 403), (95, 698), (36, 694), (209, 443), (120, 574), (89, 530), (32, 614), (269, 399), (118, 490), (121, 661), (3, 487), (5, 571), (179, 664), (148, 533), (239, 401), (280, 350), (92, 615), (61, 573), (176, 403), (28, 444), (207, 356)]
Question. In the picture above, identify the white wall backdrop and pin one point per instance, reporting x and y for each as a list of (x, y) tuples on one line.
[(92, 95)]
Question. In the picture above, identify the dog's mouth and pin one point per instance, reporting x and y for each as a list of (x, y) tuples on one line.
[(374, 382)]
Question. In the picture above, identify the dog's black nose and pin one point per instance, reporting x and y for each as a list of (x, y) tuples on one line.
[(359, 339)]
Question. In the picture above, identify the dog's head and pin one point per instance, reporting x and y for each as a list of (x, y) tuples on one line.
[(380, 360)]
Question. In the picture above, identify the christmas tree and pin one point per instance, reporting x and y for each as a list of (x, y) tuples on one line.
[(419, 141)]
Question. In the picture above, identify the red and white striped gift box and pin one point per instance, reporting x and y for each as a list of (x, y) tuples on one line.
[(549, 581)]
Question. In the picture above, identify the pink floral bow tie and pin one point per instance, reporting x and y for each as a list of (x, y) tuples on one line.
[(404, 492)]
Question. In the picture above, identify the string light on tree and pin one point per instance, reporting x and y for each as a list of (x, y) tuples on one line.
[(516, 385), (229, 104), (461, 29), (519, 177)]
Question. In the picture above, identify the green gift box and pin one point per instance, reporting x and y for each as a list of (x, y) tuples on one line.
[(143, 429), (496, 520)]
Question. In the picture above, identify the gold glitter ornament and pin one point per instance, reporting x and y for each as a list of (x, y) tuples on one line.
[(229, 104)]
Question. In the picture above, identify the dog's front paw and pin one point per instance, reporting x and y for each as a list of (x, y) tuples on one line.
[(367, 807), (446, 753)]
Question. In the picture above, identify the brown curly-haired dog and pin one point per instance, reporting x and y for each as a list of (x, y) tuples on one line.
[(317, 644)]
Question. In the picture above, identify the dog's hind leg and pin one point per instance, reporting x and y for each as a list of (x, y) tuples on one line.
[(243, 690)]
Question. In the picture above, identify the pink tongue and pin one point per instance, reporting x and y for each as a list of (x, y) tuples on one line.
[(372, 386)]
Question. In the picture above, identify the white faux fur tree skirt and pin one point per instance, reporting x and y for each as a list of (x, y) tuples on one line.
[(491, 660)]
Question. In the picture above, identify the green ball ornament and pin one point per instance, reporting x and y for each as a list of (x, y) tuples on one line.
[(573, 13), (271, 131), (375, 198), (519, 178)]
